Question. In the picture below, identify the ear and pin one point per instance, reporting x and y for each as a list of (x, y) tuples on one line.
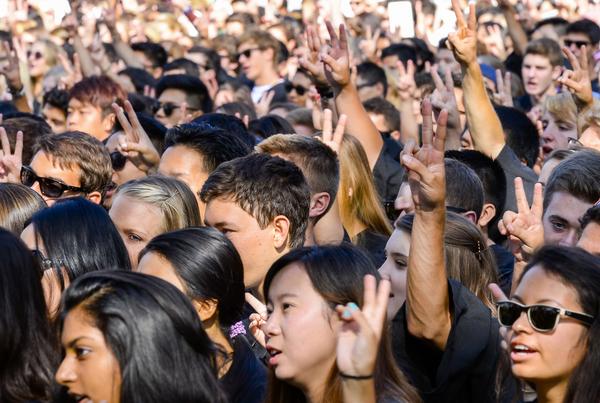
[(395, 135), (281, 231), (471, 216), (270, 54), (379, 87), (94, 197), (556, 72), (108, 122), (487, 214), (206, 309), (319, 203)]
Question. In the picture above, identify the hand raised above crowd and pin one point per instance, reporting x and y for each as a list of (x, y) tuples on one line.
[(463, 42), (336, 58), (10, 162), (330, 137), (577, 81), (503, 94)]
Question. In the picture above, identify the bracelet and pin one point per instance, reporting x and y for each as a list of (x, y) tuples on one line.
[(356, 377)]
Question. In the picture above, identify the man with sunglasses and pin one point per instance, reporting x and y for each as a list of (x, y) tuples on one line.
[(584, 33), (257, 56), (67, 165), (297, 89), (181, 96)]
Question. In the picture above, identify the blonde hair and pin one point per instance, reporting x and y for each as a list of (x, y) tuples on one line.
[(562, 107), (357, 197), (174, 198)]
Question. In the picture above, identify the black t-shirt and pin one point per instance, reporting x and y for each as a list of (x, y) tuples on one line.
[(391, 147), (246, 380), (374, 244), (465, 371), (387, 175), (506, 264), (513, 168)]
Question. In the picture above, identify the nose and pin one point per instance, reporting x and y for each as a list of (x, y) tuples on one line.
[(271, 327), (522, 324), (65, 374), (570, 238)]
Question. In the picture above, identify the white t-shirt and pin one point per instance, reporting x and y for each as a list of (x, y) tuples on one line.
[(259, 90)]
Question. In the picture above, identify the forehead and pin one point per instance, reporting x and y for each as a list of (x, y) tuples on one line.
[(567, 207), (536, 60), (156, 265), (292, 279), (577, 36), (537, 285), (129, 213), (399, 242), (180, 157), (47, 167), (76, 103), (221, 212), (79, 324), (172, 95), (247, 45)]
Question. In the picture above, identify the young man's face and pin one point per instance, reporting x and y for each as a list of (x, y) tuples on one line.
[(256, 246), (575, 40), (368, 90), (561, 219), (255, 61), (538, 74), (187, 165), (171, 112), (44, 166), (55, 117), (87, 118)]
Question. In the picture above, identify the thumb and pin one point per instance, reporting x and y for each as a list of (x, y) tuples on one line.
[(497, 292)]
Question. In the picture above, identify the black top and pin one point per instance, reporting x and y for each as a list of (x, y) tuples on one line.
[(374, 244), (506, 264), (513, 168), (465, 371), (391, 147), (246, 380), (387, 174)]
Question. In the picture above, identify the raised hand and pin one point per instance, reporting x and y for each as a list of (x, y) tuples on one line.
[(503, 94), (360, 334), (11, 69), (368, 45), (262, 106), (577, 80), (463, 42), (135, 143), (311, 61), (257, 319), (425, 164), (443, 98), (336, 58), (330, 137), (406, 85), (524, 228), (494, 42), (10, 163)]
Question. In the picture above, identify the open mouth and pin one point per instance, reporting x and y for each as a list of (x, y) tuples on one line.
[(520, 352), (273, 355), (81, 398)]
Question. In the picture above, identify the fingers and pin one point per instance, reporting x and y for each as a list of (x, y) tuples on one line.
[(258, 306), (426, 110), (437, 80), (335, 43), (460, 19), (122, 119), (5, 142), (497, 292), (572, 59), (472, 24), (522, 203), (448, 80), (135, 123), (584, 58), (537, 206), (19, 145), (499, 81), (327, 125), (413, 164), (439, 141), (370, 291), (340, 129)]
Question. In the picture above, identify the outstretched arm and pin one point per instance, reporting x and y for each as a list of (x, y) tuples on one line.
[(427, 298), (484, 124)]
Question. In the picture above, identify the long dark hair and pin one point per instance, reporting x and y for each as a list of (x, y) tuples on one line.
[(336, 273), (209, 267), (27, 345), (79, 237), (163, 352)]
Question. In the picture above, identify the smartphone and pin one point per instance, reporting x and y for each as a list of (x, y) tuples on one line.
[(401, 18)]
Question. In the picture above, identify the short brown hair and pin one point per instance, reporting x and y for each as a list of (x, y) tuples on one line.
[(263, 40), (318, 162), (545, 47), (81, 150), (100, 91), (264, 187)]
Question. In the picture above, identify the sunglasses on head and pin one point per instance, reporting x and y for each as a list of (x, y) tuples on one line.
[(49, 187), (117, 160), (300, 90), (578, 44), (542, 318), (246, 53)]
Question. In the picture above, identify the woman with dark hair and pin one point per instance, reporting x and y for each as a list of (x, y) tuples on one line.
[(27, 345), (134, 338), (326, 331), (269, 125), (553, 322), (204, 265), (71, 238), (17, 204)]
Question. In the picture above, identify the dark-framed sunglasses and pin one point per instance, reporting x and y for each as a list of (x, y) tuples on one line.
[(117, 161), (543, 318), (49, 187), (246, 53), (36, 55), (300, 90), (578, 44)]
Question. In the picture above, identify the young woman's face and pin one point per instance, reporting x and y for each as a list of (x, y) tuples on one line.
[(549, 356), (394, 268), (89, 369), (556, 133), (301, 329)]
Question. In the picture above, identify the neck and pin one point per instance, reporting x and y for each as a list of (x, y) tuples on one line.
[(309, 234), (552, 392), (267, 77), (329, 229), (539, 99), (213, 330), (355, 228), (314, 393)]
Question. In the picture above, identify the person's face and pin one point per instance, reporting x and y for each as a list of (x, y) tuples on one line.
[(561, 219), (45, 166), (176, 98), (137, 223), (55, 117), (556, 133), (89, 119), (547, 169), (575, 40), (89, 369), (36, 60), (538, 74), (253, 60), (156, 265), (591, 137), (391, 62), (404, 202), (394, 268), (368, 90), (298, 91), (546, 31), (301, 329), (187, 165), (255, 245), (554, 355), (446, 61), (379, 122), (129, 172)]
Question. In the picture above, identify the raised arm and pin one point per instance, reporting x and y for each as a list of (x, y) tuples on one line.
[(427, 298), (123, 49), (515, 29), (484, 124)]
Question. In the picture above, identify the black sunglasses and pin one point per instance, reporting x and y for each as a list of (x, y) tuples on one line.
[(300, 90), (117, 160), (36, 55), (578, 44), (542, 318), (49, 187), (247, 53)]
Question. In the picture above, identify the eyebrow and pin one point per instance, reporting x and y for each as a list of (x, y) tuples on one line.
[(73, 342), (557, 217), (286, 295)]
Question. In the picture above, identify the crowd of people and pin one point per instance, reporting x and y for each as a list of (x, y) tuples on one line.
[(314, 201)]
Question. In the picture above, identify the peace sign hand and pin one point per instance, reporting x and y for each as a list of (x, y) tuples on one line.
[(311, 61), (577, 80), (10, 163), (463, 42), (330, 137), (360, 334), (336, 58), (524, 228), (258, 319), (135, 143), (443, 97), (503, 94), (425, 164), (406, 84)]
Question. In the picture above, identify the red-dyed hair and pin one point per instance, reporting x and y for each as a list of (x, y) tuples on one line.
[(100, 91)]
